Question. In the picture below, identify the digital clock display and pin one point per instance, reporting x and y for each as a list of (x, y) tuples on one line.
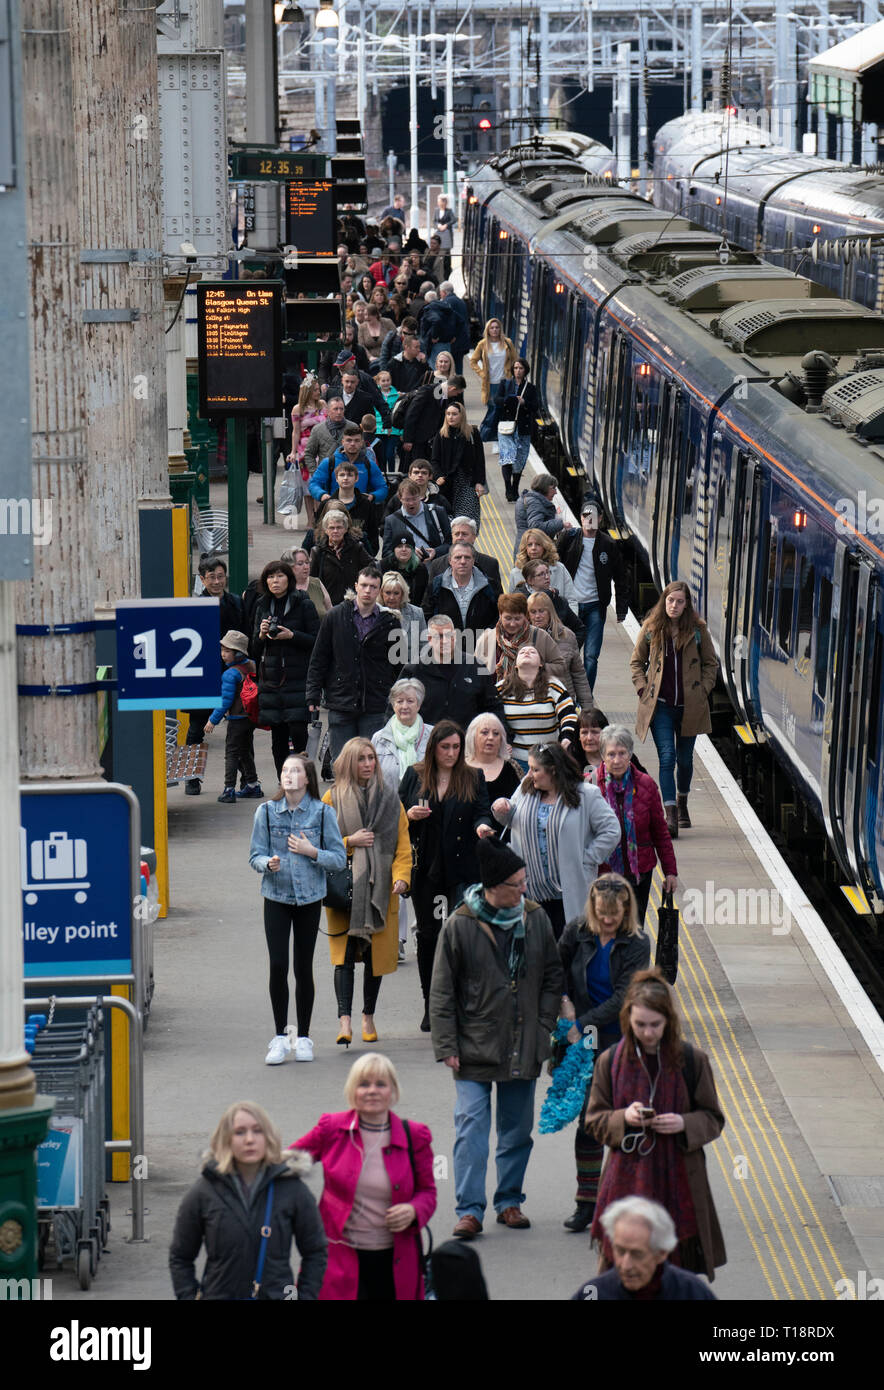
[(246, 165), (239, 333)]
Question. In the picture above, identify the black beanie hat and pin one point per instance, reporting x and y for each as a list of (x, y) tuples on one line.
[(496, 862)]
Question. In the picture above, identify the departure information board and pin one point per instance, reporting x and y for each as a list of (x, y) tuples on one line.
[(239, 333), (310, 217)]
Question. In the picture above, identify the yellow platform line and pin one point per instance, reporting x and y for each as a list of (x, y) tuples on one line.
[(788, 1156), (731, 1057)]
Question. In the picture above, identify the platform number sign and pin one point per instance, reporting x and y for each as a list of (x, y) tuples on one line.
[(168, 654)]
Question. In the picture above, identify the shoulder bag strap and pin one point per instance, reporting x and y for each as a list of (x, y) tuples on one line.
[(265, 1236)]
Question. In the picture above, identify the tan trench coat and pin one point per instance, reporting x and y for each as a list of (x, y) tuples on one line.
[(699, 667)]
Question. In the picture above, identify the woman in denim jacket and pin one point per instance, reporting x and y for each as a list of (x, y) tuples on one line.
[(295, 840)]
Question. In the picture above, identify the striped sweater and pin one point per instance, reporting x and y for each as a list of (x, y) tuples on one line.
[(540, 721)]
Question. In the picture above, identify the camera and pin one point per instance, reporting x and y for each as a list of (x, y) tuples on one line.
[(273, 627)]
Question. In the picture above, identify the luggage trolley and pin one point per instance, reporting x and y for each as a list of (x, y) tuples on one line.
[(73, 1212)]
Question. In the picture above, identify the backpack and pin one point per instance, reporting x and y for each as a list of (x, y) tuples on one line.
[(400, 408), (248, 693)]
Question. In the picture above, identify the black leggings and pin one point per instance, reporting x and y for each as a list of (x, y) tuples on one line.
[(280, 735), (303, 922), (357, 949), (432, 904)]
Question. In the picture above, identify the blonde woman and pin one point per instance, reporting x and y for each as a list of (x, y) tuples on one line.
[(542, 614), (379, 1190), (458, 459), (395, 595), (600, 952), (535, 544), (246, 1185), (492, 359), (376, 837)]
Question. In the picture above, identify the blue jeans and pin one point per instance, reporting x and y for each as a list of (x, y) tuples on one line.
[(673, 750), (435, 350), (488, 427), (514, 451), (472, 1125), (592, 615)]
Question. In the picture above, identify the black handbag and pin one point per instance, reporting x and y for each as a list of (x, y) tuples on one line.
[(666, 957), (338, 882)]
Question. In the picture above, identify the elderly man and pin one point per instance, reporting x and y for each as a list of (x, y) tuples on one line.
[(642, 1234), (457, 686), (464, 532), (460, 343), (494, 1000), (498, 646), (461, 593), (325, 437)]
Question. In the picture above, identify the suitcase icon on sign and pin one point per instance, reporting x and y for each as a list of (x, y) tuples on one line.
[(56, 863)]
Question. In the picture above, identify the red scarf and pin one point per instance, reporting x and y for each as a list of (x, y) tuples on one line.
[(661, 1175)]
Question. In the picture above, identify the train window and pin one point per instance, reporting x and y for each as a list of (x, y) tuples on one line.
[(770, 545), (805, 610), (787, 596), (823, 633), (690, 468)]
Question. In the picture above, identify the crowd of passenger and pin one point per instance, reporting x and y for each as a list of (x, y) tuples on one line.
[(470, 782)]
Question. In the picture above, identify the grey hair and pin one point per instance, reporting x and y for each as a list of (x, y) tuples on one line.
[(408, 683), (465, 521), (430, 296), (427, 286), (446, 287), (473, 728), (657, 1218), (287, 556), (616, 733), (334, 514), (441, 622)]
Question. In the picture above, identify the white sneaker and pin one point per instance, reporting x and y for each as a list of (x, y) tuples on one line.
[(278, 1050), (303, 1050)]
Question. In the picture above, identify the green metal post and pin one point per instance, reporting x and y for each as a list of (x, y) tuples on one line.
[(237, 504), (21, 1130), (268, 449)]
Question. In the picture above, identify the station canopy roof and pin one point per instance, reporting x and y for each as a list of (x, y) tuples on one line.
[(848, 80)]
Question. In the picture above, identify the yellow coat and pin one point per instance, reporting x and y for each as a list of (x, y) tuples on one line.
[(385, 943), (479, 364)]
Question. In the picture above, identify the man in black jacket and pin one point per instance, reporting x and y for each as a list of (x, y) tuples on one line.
[(426, 413), (409, 366), (359, 394), (213, 573), (593, 562), (457, 686), (463, 532), (462, 593), (439, 325), (354, 662), (425, 523)]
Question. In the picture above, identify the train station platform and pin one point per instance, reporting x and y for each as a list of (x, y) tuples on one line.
[(796, 1174)]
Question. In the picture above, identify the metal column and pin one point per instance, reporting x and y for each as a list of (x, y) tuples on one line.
[(261, 107), (515, 128), (590, 65), (412, 121), (623, 112), (449, 122), (543, 92), (642, 105), (697, 55), (783, 94)]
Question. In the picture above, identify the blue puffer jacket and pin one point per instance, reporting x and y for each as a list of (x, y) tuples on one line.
[(231, 690), (298, 879)]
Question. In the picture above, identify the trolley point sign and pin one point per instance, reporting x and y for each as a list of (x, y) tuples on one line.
[(79, 877)]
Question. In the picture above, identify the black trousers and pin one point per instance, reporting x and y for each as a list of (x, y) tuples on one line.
[(239, 753), (642, 891), (376, 1276), (432, 904), (345, 976), (281, 735), (198, 720), (280, 919), (555, 911)]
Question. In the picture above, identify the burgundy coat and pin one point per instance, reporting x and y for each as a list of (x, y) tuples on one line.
[(651, 833), (336, 1143)]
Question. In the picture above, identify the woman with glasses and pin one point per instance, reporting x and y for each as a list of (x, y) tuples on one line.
[(653, 1103), (600, 951)]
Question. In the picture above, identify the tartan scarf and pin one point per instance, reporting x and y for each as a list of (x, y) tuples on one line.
[(508, 919), (608, 788), (661, 1175), (508, 649)]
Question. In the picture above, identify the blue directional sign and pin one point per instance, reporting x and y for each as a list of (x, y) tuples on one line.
[(168, 653), (78, 878)]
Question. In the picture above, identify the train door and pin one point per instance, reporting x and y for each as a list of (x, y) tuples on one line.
[(663, 520), (538, 317), (850, 726), (571, 381), (616, 393), (744, 527)]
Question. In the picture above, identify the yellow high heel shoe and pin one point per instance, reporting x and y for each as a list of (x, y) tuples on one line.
[(344, 1039), (369, 1037)]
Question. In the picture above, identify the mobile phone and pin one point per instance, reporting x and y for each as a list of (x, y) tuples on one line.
[(646, 1112)]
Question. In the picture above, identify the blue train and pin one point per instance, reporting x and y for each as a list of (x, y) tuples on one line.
[(731, 416), (812, 215)]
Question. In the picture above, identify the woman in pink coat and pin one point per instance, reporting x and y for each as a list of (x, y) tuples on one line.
[(379, 1190)]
